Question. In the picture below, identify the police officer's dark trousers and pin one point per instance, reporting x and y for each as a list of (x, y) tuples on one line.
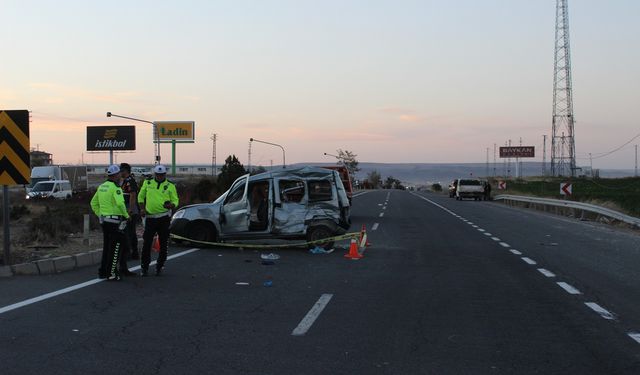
[(161, 227), (113, 241), (132, 236)]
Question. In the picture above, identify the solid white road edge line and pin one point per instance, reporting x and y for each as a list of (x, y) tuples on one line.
[(312, 315), (600, 310), (528, 260), (56, 293), (374, 227), (568, 288), (546, 272)]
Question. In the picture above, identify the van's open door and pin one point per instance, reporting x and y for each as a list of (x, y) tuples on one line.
[(234, 212)]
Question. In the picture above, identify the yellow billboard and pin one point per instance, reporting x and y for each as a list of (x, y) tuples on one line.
[(175, 130)]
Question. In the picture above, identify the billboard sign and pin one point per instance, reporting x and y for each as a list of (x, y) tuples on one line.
[(108, 138), (180, 131), (517, 152)]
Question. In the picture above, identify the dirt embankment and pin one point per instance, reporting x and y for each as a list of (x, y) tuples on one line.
[(41, 229)]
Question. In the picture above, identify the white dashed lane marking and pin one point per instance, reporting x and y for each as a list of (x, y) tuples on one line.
[(495, 239), (546, 272), (312, 315), (600, 310), (604, 313), (568, 288), (375, 226), (382, 214)]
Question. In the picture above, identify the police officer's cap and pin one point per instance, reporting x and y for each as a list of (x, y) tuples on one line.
[(125, 167), (160, 169), (113, 169)]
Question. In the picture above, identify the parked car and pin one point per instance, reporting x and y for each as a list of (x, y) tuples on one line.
[(469, 188), (54, 189), (452, 188), (304, 203)]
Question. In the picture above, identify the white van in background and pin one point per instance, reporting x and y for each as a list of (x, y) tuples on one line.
[(53, 189)]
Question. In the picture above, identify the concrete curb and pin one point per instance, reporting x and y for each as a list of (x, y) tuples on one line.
[(53, 265)]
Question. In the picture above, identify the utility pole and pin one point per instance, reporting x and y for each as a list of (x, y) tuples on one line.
[(544, 155), (213, 138), (486, 173), (249, 164), (494, 160), (563, 149)]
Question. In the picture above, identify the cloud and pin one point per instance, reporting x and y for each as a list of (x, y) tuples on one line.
[(63, 93)]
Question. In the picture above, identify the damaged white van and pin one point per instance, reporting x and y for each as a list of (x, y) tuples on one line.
[(296, 204)]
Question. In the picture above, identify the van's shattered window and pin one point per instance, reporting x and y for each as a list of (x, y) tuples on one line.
[(237, 193), (319, 190), (291, 191)]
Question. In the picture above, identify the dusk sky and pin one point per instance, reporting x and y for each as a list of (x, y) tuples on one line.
[(426, 81)]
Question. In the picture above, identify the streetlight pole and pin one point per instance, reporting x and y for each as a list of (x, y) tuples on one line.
[(335, 156), (284, 164), (155, 132)]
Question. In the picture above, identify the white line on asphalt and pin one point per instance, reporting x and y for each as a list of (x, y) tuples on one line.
[(600, 310), (568, 288), (470, 223), (384, 207), (374, 227), (635, 336), (475, 226), (382, 214), (56, 293), (480, 230), (487, 234), (495, 239), (312, 315), (516, 252), (546, 272), (528, 260), (504, 244)]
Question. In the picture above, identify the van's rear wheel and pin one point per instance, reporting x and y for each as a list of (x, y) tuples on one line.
[(201, 231), (318, 233)]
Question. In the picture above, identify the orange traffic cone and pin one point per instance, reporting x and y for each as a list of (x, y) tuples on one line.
[(353, 250), (156, 244), (362, 241)]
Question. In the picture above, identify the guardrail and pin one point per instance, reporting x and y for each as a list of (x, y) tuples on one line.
[(575, 209)]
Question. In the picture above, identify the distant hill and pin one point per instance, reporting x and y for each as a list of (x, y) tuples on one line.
[(423, 173)]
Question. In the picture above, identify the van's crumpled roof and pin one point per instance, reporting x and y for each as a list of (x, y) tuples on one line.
[(304, 172)]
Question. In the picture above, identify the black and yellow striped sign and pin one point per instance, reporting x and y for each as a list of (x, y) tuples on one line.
[(15, 165)]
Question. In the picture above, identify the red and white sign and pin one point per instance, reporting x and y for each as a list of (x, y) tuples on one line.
[(502, 185), (565, 188)]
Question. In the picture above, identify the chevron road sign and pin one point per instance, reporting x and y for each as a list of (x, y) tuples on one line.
[(565, 189), (15, 166)]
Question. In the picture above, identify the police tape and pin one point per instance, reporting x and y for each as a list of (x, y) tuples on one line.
[(346, 236)]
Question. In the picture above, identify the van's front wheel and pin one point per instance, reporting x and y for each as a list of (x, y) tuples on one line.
[(318, 233)]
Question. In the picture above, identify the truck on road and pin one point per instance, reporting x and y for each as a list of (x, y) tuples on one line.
[(75, 174), (469, 188)]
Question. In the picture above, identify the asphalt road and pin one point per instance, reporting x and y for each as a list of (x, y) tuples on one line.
[(447, 287)]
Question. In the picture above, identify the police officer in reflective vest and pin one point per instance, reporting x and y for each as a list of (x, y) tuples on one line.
[(108, 204), (157, 197)]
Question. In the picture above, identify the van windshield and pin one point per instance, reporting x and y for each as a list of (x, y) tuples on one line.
[(43, 186), (470, 182)]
